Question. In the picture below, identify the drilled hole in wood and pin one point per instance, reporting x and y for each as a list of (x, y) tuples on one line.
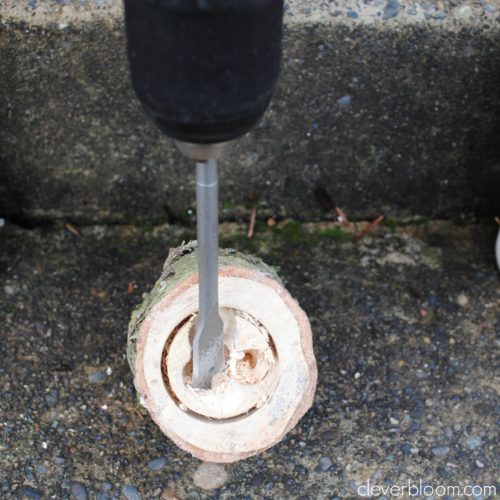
[(248, 380), (250, 358)]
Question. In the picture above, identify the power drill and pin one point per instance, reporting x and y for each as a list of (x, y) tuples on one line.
[(205, 71)]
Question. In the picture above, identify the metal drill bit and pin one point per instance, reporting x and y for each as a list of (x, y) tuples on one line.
[(208, 342)]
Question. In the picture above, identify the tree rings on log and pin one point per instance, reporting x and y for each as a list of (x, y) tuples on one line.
[(270, 375)]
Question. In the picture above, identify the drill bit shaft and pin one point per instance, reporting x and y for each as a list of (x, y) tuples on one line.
[(208, 342)]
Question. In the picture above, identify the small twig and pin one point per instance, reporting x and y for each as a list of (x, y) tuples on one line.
[(137, 412), (72, 229), (342, 216), (132, 411), (251, 226), (371, 227), (130, 287)]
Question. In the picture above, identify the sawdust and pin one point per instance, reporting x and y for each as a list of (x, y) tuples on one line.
[(245, 384)]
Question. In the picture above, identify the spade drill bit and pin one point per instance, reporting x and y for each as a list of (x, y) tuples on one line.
[(208, 342)]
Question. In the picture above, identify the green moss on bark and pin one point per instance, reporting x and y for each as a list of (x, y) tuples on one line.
[(181, 264)]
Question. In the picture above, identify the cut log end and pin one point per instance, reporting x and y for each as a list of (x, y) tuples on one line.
[(270, 375)]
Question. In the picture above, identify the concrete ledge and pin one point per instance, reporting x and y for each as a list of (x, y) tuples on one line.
[(382, 106)]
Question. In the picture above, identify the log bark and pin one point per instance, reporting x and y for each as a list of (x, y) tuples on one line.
[(270, 375)]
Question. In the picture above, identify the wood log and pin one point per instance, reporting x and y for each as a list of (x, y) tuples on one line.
[(270, 375)]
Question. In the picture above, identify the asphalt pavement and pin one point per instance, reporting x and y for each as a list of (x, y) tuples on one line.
[(405, 324)]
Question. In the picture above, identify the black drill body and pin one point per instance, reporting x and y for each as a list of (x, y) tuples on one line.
[(204, 70)]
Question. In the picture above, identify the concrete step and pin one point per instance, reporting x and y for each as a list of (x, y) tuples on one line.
[(383, 106)]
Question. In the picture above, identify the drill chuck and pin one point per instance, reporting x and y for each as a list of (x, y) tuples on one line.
[(204, 70)]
